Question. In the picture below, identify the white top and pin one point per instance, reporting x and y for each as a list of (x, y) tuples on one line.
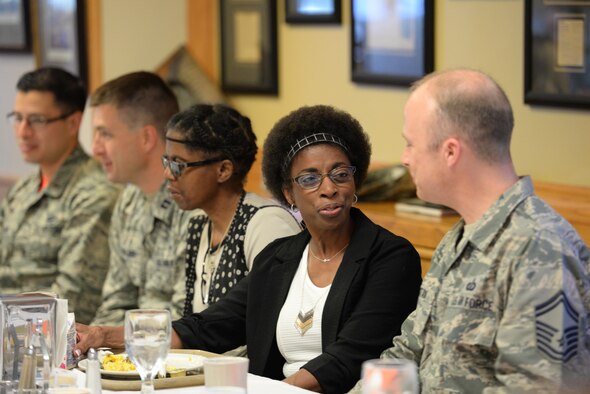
[(303, 295), (266, 225)]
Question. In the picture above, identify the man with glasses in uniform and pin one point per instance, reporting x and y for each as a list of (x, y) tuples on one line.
[(54, 223)]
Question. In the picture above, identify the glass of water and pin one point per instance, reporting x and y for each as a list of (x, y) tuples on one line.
[(147, 340), (390, 376)]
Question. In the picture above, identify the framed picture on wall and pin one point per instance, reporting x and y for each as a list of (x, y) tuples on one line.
[(249, 46), (313, 11), (61, 35), (557, 53), (392, 40), (15, 31)]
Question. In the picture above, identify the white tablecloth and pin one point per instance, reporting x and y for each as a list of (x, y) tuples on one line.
[(256, 385)]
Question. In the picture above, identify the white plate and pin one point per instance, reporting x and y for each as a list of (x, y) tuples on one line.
[(190, 362)]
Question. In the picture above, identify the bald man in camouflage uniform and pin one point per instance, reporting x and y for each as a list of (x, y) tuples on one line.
[(148, 230), (54, 223), (504, 307)]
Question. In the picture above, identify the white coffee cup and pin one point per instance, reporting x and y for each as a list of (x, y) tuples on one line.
[(69, 390), (226, 372), (225, 390)]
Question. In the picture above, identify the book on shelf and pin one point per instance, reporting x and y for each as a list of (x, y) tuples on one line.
[(421, 207)]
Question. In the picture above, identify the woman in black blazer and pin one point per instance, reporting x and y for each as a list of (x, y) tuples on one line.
[(317, 304)]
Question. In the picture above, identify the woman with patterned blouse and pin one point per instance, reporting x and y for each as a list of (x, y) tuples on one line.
[(209, 151)]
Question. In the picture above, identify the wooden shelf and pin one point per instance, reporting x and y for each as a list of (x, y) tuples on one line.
[(425, 232)]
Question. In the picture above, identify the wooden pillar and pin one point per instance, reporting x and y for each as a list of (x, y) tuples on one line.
[(94, 43), (202, 35)]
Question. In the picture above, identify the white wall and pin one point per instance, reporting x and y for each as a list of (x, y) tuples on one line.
[(11, 68), (136, 35), (549, 144), (140, 34), (314, 67)]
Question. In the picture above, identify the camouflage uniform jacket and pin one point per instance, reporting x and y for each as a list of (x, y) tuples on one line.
[(505, 309), (56, 239), (148, 245)]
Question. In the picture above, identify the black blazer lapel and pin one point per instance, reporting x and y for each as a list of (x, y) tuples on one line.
[(353, 258)]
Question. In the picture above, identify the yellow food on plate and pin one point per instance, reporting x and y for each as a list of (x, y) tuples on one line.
[(117, 362), (176, 372)]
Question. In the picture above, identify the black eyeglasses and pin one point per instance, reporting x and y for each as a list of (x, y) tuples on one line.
[(36, 122), (176, 168), (313, 180)]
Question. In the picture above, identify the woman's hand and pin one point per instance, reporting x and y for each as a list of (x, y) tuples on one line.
[(98, 336), (304, 379), (104, 336), (175, 342)]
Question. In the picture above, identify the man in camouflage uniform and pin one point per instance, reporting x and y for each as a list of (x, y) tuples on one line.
[(54, 223), (504, 307), (148, 230)]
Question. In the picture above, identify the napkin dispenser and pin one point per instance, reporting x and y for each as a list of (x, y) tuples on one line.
[(27, 320)]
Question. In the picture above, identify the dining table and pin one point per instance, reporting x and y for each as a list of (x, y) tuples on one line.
[(256, 385)]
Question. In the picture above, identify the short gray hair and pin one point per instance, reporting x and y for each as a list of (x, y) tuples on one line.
[(472, 105)]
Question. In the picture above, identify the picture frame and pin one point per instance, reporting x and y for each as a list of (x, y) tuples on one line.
[(15, 29), (557, 53), (61, 36), (392, 41), (249, 46), (313, 11)]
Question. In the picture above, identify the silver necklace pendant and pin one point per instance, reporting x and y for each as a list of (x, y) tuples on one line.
[(304, 321), (327, 260)]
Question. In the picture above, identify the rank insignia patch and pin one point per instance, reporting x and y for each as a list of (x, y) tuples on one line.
[(556, 324)]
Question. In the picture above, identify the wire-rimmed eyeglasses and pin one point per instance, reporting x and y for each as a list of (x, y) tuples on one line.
[(176, 168), (36, 122), (313, 180)]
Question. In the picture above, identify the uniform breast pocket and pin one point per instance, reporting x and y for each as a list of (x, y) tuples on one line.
[(468, 341), (428, 290), (42, 248), (41, 239), (470, 321), (161, 274), (479, 331)]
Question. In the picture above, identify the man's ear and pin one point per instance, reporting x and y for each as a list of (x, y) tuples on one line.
[(452, 150), (149, 137), (225, 171), (74, 121)]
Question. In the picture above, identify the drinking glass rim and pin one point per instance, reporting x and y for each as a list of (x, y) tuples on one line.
[(224, 359), (389, 361)]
